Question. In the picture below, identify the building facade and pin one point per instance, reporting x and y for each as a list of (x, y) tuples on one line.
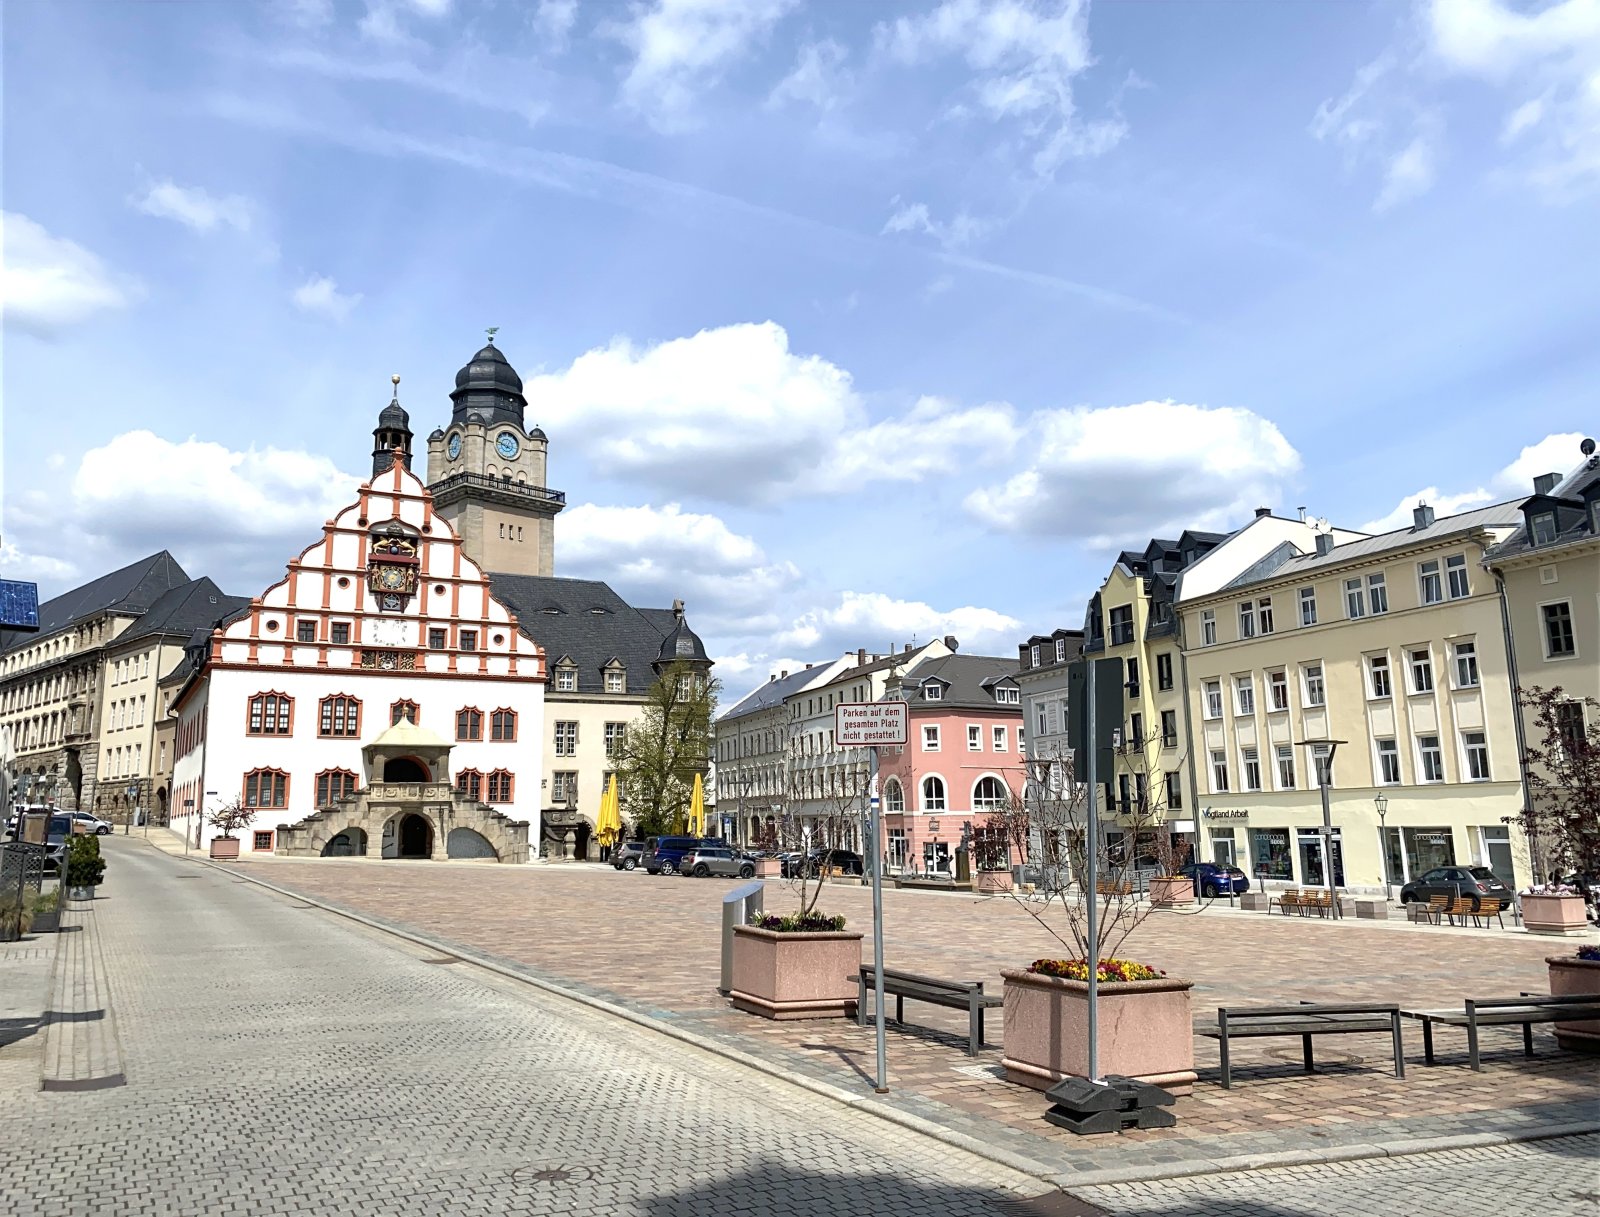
[(1042, 663), (1389, 645)]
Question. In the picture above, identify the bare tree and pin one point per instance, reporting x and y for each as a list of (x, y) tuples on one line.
[(832, 806)]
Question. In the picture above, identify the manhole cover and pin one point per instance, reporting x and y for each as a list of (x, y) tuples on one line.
[(553, 1174)]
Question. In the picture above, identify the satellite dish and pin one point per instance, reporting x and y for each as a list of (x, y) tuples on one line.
[(1587, 447)]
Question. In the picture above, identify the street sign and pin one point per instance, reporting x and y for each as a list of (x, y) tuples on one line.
[(862, 724), (1108, 696)]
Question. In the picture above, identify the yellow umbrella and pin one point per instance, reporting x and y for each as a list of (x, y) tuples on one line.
[(609, 825), (697, 809)]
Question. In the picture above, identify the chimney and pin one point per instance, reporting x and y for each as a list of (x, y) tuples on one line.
[(1302, 515), (1546, 482), (677, 609), (1324, 544), (808, 667), (908, 648), (773, 676), (1262, 512), (1421, 516), (950, 641), (861, 656)]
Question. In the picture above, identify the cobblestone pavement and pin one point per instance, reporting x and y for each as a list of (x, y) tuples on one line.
[(1557, 1178), (652, 944), (281, 1060)]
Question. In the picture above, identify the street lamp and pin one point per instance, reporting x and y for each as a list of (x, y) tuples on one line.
[(133, 798), (1324, 772), (1382, 805)]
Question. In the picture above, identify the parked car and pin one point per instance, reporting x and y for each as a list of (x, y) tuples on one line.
[(1212, 879), (628, 856), (1475, 883), (711, 860), (91, 823), (55, 841), (839, 861), (667, 854)]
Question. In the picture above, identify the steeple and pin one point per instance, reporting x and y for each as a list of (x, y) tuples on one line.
[(393, 431), (489, 387)]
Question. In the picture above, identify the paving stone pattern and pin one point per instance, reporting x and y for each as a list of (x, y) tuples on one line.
[(652, 943), (281, 1060), (1556, 1178), (81, 1050)]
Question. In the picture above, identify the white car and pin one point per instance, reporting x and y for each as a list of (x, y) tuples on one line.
[(92, 822)]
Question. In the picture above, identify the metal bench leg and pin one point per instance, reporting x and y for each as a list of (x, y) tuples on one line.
[(1222, 1045), (861, 1000), (1527, 1039), (1399, 1049), (1305, 1041), (899, 1009), (1427, 1040), (974, 1026), (1472, 1039)]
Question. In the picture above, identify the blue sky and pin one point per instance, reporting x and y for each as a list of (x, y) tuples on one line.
[(847, 321)]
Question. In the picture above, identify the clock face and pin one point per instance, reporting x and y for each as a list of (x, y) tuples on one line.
[(453, 448), (392, 604), (506, 445), (392, 578)]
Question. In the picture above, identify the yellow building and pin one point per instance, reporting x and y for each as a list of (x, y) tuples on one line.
[(1390, 644)]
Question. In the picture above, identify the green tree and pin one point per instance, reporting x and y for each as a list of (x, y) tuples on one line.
[(665, 747)]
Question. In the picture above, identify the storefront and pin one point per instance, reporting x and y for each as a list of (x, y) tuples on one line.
[(1311, 868), (1410, 852), (1271, 855)]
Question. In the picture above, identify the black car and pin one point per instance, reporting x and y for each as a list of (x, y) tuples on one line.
[(1475, 883), (1212, 879)]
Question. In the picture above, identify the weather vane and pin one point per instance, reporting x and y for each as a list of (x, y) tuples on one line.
[(492, 331)]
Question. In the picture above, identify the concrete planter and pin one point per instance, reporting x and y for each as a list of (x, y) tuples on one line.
[(1146, 1031), (994, 882), (1171, 892), (792, 976), (1372, 910), (1254, 902), (225, 849), (80, 894), (1554, 915), (768, 868), (1574, 977)]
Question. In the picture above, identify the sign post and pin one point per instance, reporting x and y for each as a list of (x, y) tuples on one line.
[(871, 725)]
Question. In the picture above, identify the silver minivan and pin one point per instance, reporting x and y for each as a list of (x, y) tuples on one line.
[(724, 862)]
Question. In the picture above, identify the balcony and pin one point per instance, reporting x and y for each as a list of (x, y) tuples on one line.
[(458, 483)]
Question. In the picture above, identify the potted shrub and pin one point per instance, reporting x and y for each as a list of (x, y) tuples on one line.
[(227, 820), (85, 868), (1577, 975), (15, 918), (1562, 814), (993, 861), (805, 964), (1145, 1020), (1554, 908), (46, 912)]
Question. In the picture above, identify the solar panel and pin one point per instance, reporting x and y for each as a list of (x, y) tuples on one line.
[(19, 605)]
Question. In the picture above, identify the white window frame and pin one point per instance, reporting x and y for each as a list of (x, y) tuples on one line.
[(997, 738), (1466, 666), (1423, 752), (1264, 616), (1247, 619), (1430, 578), (1208, 628), (1211, 691), (1308, 606), (566, 680), (1033, 656), (1219, 771), (1321, 685), (930, 737), (1250, 769), (1377, 595), (1544, 630), (1377, 664), (933, 691), (1382, 756), (1061, 650), (1278, 682), (922, 794), (1355, 599), (974, 738), (1456, 565), (1415, 672), (1475, 757), (1287, 778), (1244, 696)]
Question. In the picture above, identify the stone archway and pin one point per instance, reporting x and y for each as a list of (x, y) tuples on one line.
[(351, 843), (414, 836), (405, 769)]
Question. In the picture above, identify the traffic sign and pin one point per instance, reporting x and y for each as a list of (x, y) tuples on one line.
[(861, 724)]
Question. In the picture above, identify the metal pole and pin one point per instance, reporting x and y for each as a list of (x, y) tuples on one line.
[(1327, 828), (1091, 742), (1383, 851), (876, 854)]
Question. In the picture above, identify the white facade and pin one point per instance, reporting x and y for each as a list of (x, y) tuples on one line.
[(351, 638)]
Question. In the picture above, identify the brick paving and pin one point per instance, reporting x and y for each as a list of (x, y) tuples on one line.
[(81, 1050), (651, 943)]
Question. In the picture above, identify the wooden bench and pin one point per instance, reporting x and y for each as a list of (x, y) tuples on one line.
[(1469, 908), (965, 995), (1107, 887), (1294, 900), (1307, 1021), (1503, 1012)]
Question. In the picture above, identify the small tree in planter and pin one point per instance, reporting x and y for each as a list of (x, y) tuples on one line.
[(1146, 1024), (1562, 816), (85, 868), (228, 819)]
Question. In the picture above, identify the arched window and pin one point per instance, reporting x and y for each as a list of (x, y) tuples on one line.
[(469, 782), (270, 714), (894, 798), (266, 788), (933, 793), (403, 709), (339, 715), (503, 724), (469, 724), (333, 785), (500, 786), (990, 795)]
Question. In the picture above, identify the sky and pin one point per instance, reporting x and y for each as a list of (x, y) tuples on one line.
[(850, 323)]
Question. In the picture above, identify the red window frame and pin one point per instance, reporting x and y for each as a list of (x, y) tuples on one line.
[(339, 710), (282, 713), (260, 835), (469, 724), (278, 791), (327, 779), (503, 725), (404, 703), (469, 784), (501, 784)]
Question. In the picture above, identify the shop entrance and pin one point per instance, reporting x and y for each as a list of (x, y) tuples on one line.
[(1311, 871)]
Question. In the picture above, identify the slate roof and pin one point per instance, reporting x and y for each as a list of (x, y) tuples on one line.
[(1287, 562), (584, 620), (772, 693), (131, 590), (196, 606), (1568, 502), (968, 680)]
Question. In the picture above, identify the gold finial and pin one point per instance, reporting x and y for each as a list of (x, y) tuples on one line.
[(395, 380)]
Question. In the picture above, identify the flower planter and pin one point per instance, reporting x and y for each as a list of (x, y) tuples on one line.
[(80, 894), (1554, 915), (1255, 902), (225, 849), (768, 868), (1171, 892), (994, 882), (1146, 1031), (47, 921), (1574, 977), (792, 976)]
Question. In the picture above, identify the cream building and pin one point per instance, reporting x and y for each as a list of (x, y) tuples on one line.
[(1390, 644)]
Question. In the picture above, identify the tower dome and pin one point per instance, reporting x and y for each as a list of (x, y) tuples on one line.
[(393, 431), (489, 386)]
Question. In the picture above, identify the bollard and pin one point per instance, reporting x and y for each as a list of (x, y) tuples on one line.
[(738, 906)]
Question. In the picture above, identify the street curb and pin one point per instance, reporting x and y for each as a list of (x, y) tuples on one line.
[(1027, 1166)]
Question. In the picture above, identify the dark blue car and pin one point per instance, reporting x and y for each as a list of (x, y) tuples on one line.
[(1212, 879), (668, 852)]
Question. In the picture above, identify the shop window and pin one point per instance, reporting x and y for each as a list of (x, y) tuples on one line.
[(1270, 853)]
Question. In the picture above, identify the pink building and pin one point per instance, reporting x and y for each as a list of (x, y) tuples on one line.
[(964, 759)]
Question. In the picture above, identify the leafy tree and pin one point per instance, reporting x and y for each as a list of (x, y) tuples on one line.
[(1562, 770), (665, 747)]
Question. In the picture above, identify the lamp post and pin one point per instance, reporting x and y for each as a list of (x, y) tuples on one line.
[(1382, 805), (133, 803), (1324, 774)]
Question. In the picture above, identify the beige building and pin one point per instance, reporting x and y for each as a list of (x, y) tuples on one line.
[(1391, 644)]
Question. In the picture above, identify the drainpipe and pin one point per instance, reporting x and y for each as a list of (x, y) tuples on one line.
[(1516, 721)]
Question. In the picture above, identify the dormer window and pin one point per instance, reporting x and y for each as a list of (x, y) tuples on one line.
[(1008, 696), (932, 691), (1544, 528), (616, 680), (566, 679), (1033, 656)]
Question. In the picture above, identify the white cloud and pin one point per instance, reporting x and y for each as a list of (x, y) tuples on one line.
[(1556, 453), (880, 622), (385, 20), (682, 47), (49, 283), (320, 294), (236, 516), (1333, 119), (963, 229), (1410, 173), (1523, 119), (733, 414), (307, 14), (817, 78), (1093, 474), (193, 207), (553, 21)]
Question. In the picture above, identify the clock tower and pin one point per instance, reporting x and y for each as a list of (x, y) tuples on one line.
[(486, 472)]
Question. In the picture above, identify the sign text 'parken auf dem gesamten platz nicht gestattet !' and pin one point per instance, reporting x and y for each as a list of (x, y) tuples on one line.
[(859, 724)]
